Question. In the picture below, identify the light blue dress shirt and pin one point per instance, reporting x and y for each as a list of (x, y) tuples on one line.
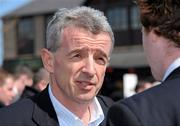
[(172, 67), (67, 118)]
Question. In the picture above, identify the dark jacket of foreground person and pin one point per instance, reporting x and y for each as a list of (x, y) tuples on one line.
[(154, 107)]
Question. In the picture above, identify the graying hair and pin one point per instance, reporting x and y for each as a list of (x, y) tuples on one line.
[(85, 17)]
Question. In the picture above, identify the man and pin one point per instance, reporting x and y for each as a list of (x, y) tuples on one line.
[(6, 88), (79, 43), (24, 82), (159, 105), (41, 79)]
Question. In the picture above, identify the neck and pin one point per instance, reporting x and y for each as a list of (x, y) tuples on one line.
[(86, 117), (82, 110)]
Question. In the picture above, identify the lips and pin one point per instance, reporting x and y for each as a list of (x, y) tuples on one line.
[(85, 85)]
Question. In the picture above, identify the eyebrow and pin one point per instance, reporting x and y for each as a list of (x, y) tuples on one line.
[(74, 51), (85, 49)]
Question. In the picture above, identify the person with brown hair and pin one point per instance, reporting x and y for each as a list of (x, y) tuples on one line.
[(158, 106), (41, 79), (6, 88), (24, 82)]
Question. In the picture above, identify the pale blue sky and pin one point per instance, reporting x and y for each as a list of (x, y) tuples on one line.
[(7, 6)]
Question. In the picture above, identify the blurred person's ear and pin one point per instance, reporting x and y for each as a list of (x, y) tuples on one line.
[(47, 59), (42, 85)]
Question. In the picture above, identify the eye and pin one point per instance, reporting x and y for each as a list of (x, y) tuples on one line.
[(101, 61), (76, 57)]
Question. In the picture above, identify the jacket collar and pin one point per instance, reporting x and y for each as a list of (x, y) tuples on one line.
[(174, 74), (44, 113)]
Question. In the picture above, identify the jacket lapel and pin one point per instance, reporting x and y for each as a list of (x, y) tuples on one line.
[(44, 113), (105, 103), (174, 74)]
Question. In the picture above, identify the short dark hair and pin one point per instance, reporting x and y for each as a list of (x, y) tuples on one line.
[(163, 16)]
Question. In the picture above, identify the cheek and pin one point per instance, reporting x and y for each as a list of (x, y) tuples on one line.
[(146, 45), (60, 70), (143, 41), (101, 74)]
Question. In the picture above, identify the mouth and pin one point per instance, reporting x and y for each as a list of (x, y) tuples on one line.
[(85, 85)]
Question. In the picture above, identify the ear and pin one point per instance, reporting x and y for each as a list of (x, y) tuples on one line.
[(155, 34), (48, 60)]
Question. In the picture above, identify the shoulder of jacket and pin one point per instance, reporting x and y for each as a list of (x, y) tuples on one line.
[(104, 100)]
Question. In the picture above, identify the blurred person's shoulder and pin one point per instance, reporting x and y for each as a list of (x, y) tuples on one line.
[(27, 110), (17, 111)]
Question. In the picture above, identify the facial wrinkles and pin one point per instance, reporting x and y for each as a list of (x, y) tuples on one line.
[(90, 61), (79, 37), (101, 43), (93, 45)]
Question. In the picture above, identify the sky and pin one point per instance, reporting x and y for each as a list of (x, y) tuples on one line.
[(7, 6)]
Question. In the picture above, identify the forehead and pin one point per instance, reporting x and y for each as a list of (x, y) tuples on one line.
[(73, 37)]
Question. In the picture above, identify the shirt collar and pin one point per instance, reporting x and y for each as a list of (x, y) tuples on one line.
[(171, 68), (67, 118)]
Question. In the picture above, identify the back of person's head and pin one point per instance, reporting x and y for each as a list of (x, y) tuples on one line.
[(41, 79), (3, 75), (81, 17), (25, 73), (163, 16)]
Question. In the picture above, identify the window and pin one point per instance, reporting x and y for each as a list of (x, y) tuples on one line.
[(135, 20), (26, 36), (118, 18)]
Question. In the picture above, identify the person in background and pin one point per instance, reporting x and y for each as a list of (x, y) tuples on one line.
[(41, 79), (6, 88), (24, 81), (24, 73), (158, 106), (142, 85), (79, 44)]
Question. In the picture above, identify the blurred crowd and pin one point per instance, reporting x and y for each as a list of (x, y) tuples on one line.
[(22, 83)]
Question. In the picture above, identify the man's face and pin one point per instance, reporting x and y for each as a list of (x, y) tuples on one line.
[(80, 64), (7, 94)]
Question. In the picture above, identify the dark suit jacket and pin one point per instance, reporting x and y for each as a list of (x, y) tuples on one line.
[(158, 106), (28, 92), (38, 111)]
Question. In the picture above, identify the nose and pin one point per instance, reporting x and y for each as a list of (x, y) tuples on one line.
[(89, 66)]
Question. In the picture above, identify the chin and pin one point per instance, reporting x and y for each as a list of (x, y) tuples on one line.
[(86, 98)]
